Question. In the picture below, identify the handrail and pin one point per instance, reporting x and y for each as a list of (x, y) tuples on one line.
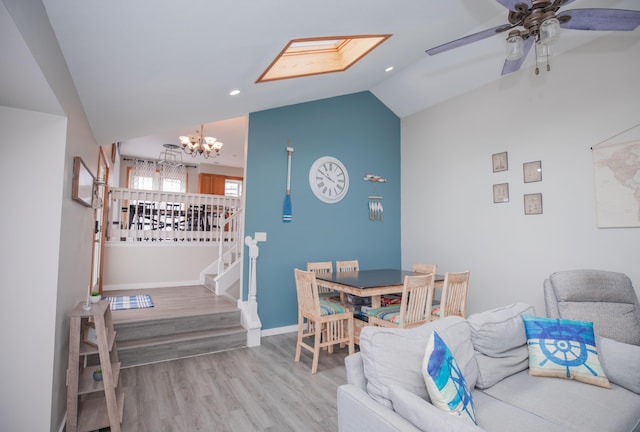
[(140, 215)]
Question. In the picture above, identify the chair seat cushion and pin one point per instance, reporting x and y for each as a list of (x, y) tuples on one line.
[(387, 313), (329, 307), (331, 295)]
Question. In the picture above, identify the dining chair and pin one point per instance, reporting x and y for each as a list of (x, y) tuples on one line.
[(414, 308), (344, 266), (454, 295), (329, 323), (323, 267)]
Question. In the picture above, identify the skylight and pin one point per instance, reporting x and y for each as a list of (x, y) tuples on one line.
[(313, 56)]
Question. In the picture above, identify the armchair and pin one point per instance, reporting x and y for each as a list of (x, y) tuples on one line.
[(606, 298)]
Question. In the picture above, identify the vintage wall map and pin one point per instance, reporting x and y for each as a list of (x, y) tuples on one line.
[(617, 176)]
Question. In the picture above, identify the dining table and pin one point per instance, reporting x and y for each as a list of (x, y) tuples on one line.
[(370, 283)]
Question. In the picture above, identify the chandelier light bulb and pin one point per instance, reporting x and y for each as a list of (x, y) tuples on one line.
[(515, 46), (549, 31)]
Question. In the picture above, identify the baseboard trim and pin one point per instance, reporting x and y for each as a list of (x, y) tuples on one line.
[(150, 285), (280, 330)]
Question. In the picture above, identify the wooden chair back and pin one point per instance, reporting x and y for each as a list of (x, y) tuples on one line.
[(454, 294), (343, 266), (307, 291), (417, 300), (321, 267), (425, 268)]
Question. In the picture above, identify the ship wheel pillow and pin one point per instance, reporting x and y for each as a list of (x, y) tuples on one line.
[(564, 349), (446, 386)]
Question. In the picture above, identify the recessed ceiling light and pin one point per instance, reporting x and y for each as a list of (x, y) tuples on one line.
[(389, 69), (234, 92), (312, 56)]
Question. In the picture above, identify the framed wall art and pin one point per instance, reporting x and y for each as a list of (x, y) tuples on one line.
[(500, 162), (82, 189), (533, 204), (501, 193), (532, 171)]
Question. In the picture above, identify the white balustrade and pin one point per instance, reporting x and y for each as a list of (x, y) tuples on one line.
[(139, 215)]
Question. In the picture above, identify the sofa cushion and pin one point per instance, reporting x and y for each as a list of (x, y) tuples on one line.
[(571, 405), (620, 362), (564, 349), (445, 381), (604, 297), (393, 356), (500, 341)]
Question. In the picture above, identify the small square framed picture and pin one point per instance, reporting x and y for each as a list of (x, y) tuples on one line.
[(500, 161), (89, 335), (532, 171), (533, 204), (501, 193)]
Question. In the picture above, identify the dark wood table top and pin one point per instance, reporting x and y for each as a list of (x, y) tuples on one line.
[(370, 278)]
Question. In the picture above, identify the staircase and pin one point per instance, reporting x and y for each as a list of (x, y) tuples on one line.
[(158, 340)]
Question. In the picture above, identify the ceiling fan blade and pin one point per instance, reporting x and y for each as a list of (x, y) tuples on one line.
[(601, 19), (468, 39), (511, 4), (514, 65)]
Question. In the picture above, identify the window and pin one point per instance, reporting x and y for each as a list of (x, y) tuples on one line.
[(232, 188), (163, 177)]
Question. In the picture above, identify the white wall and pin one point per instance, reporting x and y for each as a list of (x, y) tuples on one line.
[(448, 214), (151, 265), (38, 297), (29, 264)]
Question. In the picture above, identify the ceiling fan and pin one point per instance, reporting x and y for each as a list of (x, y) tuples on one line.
[(536, 21)]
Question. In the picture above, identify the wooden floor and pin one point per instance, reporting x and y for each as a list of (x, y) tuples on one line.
[(243, 390), (172, 302)]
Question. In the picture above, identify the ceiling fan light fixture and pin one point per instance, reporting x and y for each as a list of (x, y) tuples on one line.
[(550, 30), (543, 52), (515, 46)]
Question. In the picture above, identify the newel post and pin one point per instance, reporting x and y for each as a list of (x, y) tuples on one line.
[(253, 318)]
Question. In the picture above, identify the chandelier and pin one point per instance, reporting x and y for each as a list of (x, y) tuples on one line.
[(195, 145)]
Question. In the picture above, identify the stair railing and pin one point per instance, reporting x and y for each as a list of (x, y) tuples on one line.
[(140, 215)]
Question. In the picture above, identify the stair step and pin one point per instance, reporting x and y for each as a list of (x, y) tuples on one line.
[(170, 326), (210, 281), (185, 344)]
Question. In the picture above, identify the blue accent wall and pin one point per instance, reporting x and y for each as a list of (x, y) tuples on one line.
[(361, 132)]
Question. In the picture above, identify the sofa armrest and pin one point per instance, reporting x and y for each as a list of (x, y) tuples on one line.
[(355, 371), (620, 363), (357, 411), (424, 415)]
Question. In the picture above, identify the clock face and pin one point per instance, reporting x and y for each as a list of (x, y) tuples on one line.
[(329, 179)]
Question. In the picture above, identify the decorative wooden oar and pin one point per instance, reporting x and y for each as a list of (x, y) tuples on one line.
[(286, 212)]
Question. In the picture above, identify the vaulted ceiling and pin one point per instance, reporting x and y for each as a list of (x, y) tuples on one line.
[(146, 67)]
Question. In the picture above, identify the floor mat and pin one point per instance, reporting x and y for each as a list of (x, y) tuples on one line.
[(130, 302)]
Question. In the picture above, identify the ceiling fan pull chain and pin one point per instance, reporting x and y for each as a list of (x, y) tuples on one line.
[(548, 66)]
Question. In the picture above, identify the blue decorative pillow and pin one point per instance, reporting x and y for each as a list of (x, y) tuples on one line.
[(446, 386), (564, 349)]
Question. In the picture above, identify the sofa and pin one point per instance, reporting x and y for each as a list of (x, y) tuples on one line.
[(386, 389)]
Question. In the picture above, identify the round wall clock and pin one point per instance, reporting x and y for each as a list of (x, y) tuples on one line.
[(329, 179)]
